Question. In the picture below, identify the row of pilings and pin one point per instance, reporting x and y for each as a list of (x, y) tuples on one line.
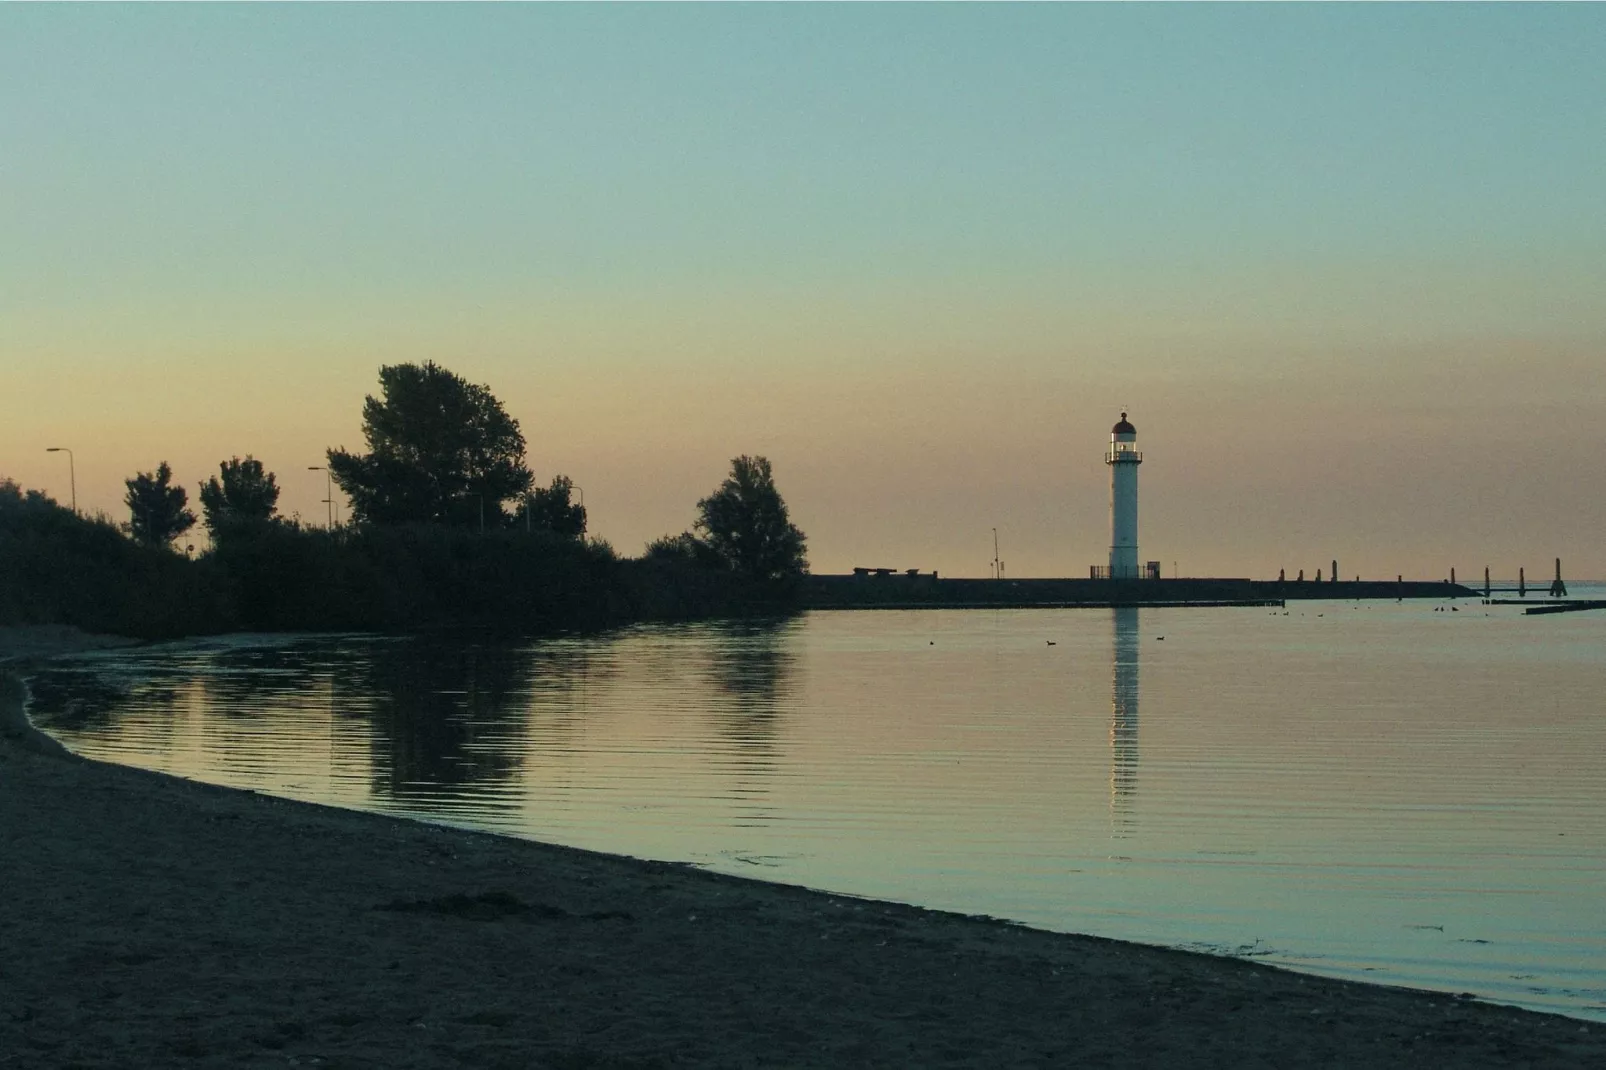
[(1557, 589)]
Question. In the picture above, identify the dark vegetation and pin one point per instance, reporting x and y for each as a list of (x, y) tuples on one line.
[(156, 508), (447, 532), (242, 496), (440, 450), (58, 568), (745, 524)]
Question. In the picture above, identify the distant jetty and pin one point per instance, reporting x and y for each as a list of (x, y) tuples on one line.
[(892, 589)]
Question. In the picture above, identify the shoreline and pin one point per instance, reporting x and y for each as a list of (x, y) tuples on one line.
[(158, 921), (22, 645)]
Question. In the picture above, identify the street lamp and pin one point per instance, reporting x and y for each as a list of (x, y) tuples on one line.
[(72, 473), (329, 489)]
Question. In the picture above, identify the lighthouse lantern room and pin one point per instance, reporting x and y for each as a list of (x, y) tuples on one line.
[(1123, 458)]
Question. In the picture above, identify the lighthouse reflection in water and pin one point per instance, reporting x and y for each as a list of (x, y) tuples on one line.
[(1124, 720)]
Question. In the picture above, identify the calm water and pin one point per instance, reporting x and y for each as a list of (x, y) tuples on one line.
[(1372, 790)]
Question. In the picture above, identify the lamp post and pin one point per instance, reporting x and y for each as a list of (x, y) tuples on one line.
[(329, 490), (72, 473)]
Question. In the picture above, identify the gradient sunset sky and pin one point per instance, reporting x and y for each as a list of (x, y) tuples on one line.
[(1344, 265)]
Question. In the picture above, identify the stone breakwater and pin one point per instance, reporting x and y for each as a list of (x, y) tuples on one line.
[(899, 590)]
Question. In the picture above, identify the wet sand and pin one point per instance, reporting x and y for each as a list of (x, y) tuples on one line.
[(152, 921)]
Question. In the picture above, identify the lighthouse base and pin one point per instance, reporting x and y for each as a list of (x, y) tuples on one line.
[(1149, 571), (1124, 563)]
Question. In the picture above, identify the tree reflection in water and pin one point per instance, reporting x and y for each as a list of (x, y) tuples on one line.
[(563, 676), (446, 714), (752, 669), (69, 698)]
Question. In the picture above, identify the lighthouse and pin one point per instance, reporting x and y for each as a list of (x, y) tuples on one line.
[(1123, 458)]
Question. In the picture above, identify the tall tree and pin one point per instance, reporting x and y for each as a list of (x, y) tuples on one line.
[(157, 513), (745, 523), (440, 450), (241, 495), (549, 509)]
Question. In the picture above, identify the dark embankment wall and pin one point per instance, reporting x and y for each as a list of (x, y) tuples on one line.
[(1366, 589), (389, 579), (926, 591)]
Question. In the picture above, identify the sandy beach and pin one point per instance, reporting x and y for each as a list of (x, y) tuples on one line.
[(151, 921)]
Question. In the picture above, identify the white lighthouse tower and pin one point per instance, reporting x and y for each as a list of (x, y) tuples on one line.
[(1123, 458)]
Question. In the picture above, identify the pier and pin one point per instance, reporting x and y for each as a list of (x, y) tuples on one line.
[(1561, 607), (1557, 588)]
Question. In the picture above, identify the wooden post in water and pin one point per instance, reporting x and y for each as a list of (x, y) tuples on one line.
[(1452, 575), (1334, 573), (1558, 589), (1486, 581), (1522, 584), (1399, 588)]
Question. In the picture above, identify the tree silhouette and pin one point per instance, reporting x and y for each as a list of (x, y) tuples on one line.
[(441, 450), (156, 507), (242, 495), (549, 509), (745, 523)]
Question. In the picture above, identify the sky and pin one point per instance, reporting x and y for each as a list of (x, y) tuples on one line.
[(1342, 264)]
